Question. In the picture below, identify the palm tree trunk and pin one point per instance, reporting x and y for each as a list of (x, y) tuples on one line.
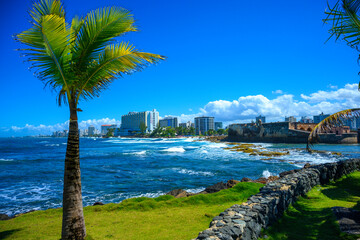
[(73, 224)]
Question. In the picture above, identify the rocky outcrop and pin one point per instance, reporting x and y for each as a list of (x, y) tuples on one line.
[(4, 217), (245, 221), (178, 193), (349, 219)]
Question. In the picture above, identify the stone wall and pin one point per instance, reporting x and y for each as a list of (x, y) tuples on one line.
[(245, 221)]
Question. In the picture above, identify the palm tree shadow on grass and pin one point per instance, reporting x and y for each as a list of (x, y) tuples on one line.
[(302, 222), (8, 233), (347, 189)]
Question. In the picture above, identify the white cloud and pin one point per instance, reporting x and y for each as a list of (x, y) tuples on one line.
[(246, 108), (29, 129), (349, 93), (243, 109), (277, 92)]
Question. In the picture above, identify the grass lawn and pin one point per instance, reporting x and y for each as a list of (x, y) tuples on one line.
[(139, 218), (311, 216)]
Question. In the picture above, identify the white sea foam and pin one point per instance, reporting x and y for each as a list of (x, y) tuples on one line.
[(52, 145), (204, 151), (192, 172), (216, 145), (6, 159), (44, 142), (136, 153), (174, 149), (195, 190), (267, 174)]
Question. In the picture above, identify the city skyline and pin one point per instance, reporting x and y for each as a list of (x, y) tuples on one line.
[(287, 70)]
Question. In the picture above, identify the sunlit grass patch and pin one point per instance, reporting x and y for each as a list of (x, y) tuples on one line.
[(164, 217)]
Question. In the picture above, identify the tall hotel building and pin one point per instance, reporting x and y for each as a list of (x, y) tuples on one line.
[(169, 122), (204, 124), (130, 122)]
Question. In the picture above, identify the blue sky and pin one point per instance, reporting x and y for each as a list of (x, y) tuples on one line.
[(230, 59)]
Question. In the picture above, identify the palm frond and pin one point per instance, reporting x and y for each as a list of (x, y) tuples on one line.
[(334, 120), (46, 7), (48, 50), (113, 62), (99, 28), (344, 17)]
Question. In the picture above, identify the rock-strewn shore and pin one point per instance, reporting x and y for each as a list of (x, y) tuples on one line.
[(245, 221)]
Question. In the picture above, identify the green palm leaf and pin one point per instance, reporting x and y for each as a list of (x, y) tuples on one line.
[(48, 50), (99, 28), (46, 7), (345, 21), (334, 120), (114, 61)]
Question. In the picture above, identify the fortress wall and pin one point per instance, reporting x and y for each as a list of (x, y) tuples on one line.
[(245, 221), (283, 132)]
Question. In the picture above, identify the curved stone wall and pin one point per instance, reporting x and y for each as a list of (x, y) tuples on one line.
[(245, 221)]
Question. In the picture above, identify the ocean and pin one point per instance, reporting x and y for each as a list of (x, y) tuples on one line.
[(31, 169)]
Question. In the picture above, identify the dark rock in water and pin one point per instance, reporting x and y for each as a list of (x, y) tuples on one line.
[(4, 217), (232, 183), (245, 179), (98, 203), (283, 174), (178, 193), (262, 180), (272, 178), (349, 219), (307, 165), (216, 187)]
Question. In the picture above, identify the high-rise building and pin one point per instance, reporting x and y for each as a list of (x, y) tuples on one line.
[(290, 119), (186, 125), (203, 124), (306, 120), (320, 117), (130, 123), (169, 122), (91, 130), (218, 125), (262, 118)]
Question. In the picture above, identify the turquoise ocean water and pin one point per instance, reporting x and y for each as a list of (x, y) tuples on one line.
[(31, 169)]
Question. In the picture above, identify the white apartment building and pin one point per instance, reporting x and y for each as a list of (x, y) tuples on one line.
[(131, 122)]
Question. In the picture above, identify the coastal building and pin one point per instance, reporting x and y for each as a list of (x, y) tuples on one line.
[(290, 119), (320, 117), (91, 130), (185, 125), (169, 122), (218, 125), (204, 124), (262, 118), (105, 128), (130, 123), (288, 132), (63, 133), (305, 119)]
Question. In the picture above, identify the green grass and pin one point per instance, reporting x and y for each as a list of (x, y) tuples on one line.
[(164, 217), (311, 216)]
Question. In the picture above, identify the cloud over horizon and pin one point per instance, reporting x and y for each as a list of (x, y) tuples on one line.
[(243, 109)]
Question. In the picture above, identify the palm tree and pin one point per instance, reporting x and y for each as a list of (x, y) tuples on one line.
[(345, 24), (78, 61)]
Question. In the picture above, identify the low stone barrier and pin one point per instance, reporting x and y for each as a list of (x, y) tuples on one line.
[(245, 221)]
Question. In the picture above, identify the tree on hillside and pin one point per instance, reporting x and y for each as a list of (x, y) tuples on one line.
[(78, 60), (345, 24)]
